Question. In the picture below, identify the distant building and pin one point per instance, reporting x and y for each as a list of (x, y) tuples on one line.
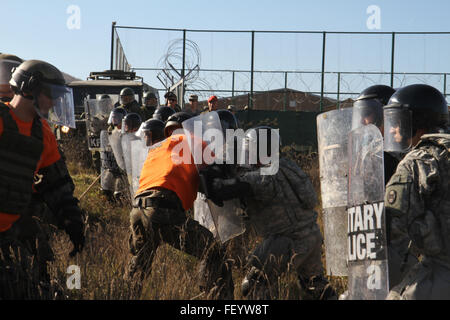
[(281, 100)]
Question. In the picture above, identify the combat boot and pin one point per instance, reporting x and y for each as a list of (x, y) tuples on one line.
[(317, 288), (255, 285)]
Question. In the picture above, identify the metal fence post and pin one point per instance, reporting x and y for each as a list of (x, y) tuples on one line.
[(445, 84), (392, 59), (112, 45), (323, 70), (232, 84), (285, 90), (338, 91), (184, 54), (252, 70)]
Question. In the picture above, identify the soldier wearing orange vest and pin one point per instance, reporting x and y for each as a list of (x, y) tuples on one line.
[(167, 189), (32, 170)]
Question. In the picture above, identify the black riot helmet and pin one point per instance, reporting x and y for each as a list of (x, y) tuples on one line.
[(127, 92), (174, 122), (34, 77), (163, 113), (7, 63), (378, 91), (227, 119), (116, 116), (156, 128), (417, 106), (11, 57), (260, 139), (367, 110), (149, 95), (131, 122)]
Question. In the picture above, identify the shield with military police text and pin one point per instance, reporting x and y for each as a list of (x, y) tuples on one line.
[(366, 236)]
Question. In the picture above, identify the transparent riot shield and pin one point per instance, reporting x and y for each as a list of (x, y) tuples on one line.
[(205, 139), (367, 247), (333, 128), (138, 154), (97, 113), (128, 141), (115, 141), (108, 162), (202, 213)]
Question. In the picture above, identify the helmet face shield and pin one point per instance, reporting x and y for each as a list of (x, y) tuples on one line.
[(6, 67), (366, 112), (131, 123), (397, 130), (62, 111), (105, 106), (115, 118)]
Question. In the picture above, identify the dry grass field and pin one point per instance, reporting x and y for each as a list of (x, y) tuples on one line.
[(105, 257)]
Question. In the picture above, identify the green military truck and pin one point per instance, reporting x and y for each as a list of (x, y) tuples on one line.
[(109, 82)]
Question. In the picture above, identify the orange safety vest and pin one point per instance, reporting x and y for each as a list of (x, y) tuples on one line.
[(160, 170), (47, 154)]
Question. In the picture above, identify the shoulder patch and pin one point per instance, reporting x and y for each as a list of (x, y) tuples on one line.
[(391, 196)]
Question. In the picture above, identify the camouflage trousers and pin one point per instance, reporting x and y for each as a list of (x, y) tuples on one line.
[(428, 279), (24, 253), (162, 219), (278, 253)]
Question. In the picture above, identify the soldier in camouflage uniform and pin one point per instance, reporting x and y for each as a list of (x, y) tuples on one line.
[(417, 196), (128, 101), (149, 105), (166, 192), (280, 207)]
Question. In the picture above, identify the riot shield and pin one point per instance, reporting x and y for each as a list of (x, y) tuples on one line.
[(138, 153), (367, 247), (227, 220), (130, 143), (97, 113), (332, 135), (108, 162), (115, 141), (202, 213)]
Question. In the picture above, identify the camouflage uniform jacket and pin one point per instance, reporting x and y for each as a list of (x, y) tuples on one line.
[(281, 203), (132, 107), (147, 112), (418, 197), (417, 203)]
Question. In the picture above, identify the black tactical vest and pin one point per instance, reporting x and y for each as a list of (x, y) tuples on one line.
[(19, 156)]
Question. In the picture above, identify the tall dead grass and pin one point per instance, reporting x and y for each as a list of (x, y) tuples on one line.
[(104, 259)]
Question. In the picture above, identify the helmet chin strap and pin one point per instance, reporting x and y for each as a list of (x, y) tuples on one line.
[(37, 109)]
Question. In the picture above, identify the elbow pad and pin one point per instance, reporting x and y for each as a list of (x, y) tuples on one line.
[(56, 187)]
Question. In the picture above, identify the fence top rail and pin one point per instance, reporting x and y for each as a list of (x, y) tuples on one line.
[(300, 71), (284, 31)]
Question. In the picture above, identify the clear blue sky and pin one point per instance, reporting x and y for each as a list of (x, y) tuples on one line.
[(38, 30)]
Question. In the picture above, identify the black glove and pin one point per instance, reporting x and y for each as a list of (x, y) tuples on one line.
[(207, 176), (74, 224), (227, 189)]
